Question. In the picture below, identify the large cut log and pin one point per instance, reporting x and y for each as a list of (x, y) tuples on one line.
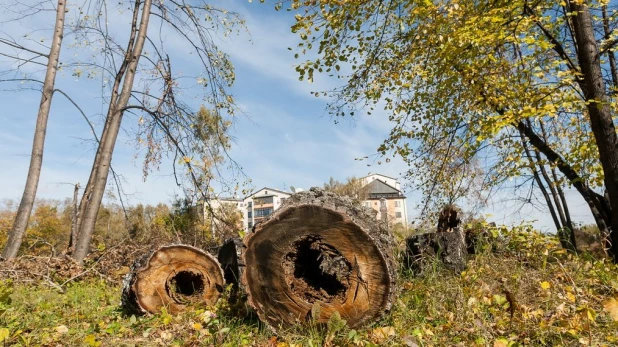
[(446, 245), (316, 255), (172, 277)]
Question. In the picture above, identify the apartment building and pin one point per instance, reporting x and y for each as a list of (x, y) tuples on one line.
[(254, 208), (383, 194), (261, 204)]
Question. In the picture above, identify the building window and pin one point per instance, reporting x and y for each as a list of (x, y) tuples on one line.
[(382, 203), (265, 192), (397, 203), (249, 204), (282, 200), (263, 212), (250, 224), (397, 214), (249, 214)]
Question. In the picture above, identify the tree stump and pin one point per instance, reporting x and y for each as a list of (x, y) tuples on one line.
[(316, 255), (172, 277), (229, 257), (447, 244)]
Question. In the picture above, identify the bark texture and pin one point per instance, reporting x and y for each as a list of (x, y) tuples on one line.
[(172, 277), (316, 255), (447, 244), (18, 230), (230, 258), (597, 103)]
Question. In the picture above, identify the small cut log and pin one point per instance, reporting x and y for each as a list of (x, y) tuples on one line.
[(447, 244), (172, 277)]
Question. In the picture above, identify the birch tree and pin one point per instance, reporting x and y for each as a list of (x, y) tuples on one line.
[(146, 86), (20, 224)]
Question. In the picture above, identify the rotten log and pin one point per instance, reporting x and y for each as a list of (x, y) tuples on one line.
[(172, 277), (447, 244), (316, 255)]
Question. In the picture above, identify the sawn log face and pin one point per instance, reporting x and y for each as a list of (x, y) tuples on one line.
[(318, 254), (172, 277)]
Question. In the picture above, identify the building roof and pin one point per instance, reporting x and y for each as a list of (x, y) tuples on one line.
[(266, 188), (371, 174), (379, 187)]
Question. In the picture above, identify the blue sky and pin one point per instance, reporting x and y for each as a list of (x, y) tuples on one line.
[(286, 138)]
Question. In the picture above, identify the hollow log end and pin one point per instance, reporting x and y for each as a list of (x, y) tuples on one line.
[(316, 255), (172, 277)]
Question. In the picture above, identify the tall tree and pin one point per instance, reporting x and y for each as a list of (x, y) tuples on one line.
[(478, 76), (146, 86), (16, 233), (121, 92)]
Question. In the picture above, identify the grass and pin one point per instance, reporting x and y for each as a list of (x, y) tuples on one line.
[(525, 291)]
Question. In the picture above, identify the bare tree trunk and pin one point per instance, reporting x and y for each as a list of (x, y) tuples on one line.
[(537, 179), (601, 121), (565, 206), (98, 177), (84, 203), (74, 221), (597, 203), (565, 233), (559, 200), (36, 159)]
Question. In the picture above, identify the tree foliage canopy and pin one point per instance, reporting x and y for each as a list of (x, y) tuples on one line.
[(457, 78)]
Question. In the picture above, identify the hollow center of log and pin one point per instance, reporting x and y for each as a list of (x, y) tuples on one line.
[(185, 284), (316, 270)]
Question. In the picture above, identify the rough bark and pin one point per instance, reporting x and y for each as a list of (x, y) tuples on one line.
[(230, 258), (597, 103), (172, 277), (319, 254), (447, 244), (20, 224), (95, 188), (74, 220)]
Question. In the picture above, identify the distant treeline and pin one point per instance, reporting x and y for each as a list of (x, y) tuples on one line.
[(49, 227)]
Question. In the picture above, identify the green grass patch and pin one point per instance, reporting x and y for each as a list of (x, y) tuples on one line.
[(527, 291)]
